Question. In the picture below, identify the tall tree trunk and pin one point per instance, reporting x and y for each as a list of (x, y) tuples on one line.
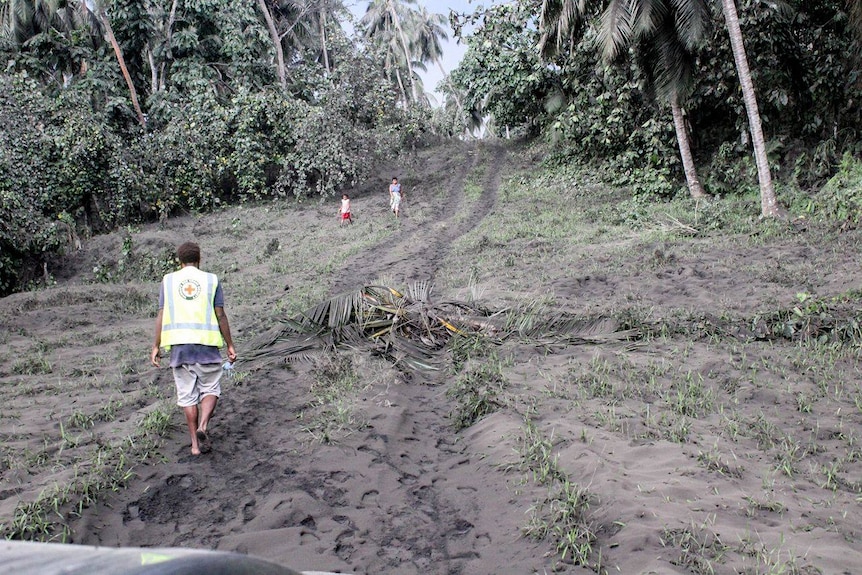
[(405, 46), (154, 71), (404, 97), (169, 35), (157, 72), (109, 33), (276, 42), (694, 186), (323, 40), (768, 203)]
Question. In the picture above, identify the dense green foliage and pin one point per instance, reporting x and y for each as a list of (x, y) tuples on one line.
[(807, 80)]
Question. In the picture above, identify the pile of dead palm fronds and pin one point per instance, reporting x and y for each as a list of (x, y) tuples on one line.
[(412, 331)]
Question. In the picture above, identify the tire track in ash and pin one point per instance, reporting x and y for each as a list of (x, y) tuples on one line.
[(416, 251), (417, 501)]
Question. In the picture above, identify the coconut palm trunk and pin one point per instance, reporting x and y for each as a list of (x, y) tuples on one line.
[(694, 186), (405, 46), (768, 202), (276, 42), (118, 52), (449, 83), (404, 97), (323, 40)]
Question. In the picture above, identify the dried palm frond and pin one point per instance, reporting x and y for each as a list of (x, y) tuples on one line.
[(414, 332)]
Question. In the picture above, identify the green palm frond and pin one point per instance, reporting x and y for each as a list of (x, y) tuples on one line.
[(692, 20), (560, 22), (617, 29)]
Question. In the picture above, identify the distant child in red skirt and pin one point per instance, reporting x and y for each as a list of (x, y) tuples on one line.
[(345, 210)]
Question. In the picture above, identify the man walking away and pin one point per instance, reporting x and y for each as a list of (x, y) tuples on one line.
[(192, 324)]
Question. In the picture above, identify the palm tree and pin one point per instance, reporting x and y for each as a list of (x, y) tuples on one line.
[(669, 63), (99, 10), (321, 18), (327, 11), (626, 20), (160, 43), (665, 51), (383, 19), (768, 202), (428, 30), (24, 19), (275, 37), (296, 24), (854, 7)]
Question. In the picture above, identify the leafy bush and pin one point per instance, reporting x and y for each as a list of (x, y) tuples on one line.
[(135, 264), (51, 154), (840, 199)]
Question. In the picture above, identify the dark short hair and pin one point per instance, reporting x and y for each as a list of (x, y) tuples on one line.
[(394, 178), (189, 253)]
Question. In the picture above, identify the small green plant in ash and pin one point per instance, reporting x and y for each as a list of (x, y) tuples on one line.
[(595, 379), (157, 421), (36, 364), (699, 547), (536, 455), (713, 461), (689, 397), (565, 517), (564, 514), (478, 391), (108, 468), (467, 346), (334, 389), (81, 420)]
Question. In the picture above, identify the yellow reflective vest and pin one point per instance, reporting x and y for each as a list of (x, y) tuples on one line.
[(188, 315)]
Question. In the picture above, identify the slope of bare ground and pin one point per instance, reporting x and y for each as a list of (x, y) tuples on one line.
[(721, 437), (414, 252)]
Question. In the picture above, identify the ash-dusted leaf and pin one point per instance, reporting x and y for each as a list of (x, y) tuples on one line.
[(419, 290)]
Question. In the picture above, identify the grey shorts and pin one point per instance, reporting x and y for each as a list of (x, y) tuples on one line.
[(196, 380)]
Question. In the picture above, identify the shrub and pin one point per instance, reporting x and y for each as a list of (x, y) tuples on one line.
[(840, 199)]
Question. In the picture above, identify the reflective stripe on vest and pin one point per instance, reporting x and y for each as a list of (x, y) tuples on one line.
[(188, 315)]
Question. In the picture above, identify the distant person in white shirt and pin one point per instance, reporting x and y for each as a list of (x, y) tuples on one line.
[(395, 196)]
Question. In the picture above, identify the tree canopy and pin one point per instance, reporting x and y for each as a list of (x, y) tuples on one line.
[(596, 77)]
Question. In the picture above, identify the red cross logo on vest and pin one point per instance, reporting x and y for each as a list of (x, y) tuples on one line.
[(189, 289)]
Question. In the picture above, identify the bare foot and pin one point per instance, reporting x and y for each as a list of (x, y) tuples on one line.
[(203, 441), (196, 452)]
